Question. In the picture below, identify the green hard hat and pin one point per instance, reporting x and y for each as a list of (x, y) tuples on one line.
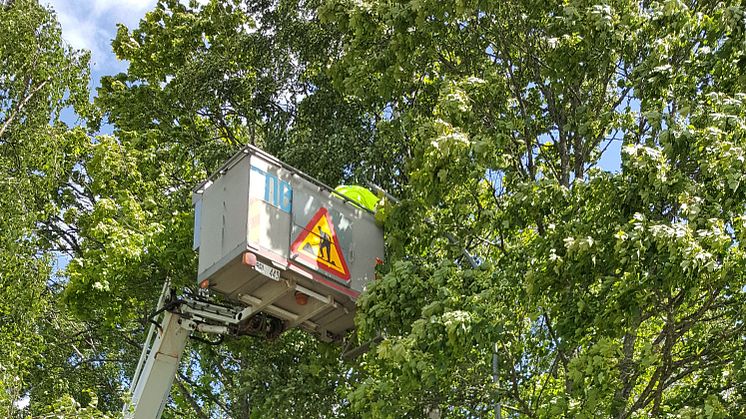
[(358, 195)]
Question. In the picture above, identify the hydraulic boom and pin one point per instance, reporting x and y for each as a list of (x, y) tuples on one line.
[(159, 361)]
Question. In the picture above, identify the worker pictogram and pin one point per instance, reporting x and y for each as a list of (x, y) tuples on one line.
[(318, 245)]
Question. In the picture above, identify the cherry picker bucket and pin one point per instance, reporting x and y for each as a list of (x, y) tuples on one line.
[(284, 245)]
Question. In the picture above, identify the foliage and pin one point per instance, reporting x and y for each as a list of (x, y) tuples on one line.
[(67, 407), (601, 293), (609, 294), (202, 81), (39, 78)]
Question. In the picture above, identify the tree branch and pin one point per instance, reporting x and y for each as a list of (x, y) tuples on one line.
[(20, 105)]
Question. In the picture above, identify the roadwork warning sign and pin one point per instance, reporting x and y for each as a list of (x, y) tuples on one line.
[(317, 245)]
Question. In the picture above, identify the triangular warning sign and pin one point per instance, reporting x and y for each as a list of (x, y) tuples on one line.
[(317, 245)]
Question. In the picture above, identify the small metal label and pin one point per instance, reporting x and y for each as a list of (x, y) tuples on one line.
[(267, 271)]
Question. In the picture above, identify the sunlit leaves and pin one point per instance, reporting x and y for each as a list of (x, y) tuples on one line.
[(40, 76), (589, 278)]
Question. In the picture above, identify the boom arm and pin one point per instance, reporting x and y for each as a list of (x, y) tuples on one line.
[(154, 383), (159, 361)]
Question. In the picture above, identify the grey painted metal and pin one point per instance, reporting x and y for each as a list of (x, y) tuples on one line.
[(154, 383), (356, 230), (159, 362), (149, 339), (252, 210), (495, 378)]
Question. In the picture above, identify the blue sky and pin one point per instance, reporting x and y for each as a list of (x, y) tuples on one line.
[(91, 25)]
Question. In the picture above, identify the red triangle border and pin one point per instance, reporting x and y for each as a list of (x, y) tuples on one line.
[(306, 231)]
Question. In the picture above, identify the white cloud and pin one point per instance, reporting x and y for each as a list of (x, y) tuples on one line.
[(104, 6), (91, 25), (81, 34)]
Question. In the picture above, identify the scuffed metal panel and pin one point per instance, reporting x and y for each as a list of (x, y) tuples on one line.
[(356, 232), (270, 204), (223, 215)]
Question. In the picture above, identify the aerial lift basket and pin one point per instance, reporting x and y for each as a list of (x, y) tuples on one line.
[(283, 245)]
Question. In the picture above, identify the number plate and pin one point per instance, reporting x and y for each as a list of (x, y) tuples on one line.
[(267, 271)]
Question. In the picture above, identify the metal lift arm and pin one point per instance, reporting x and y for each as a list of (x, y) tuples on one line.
[(154, 382), (165, 343), (159, 361)]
